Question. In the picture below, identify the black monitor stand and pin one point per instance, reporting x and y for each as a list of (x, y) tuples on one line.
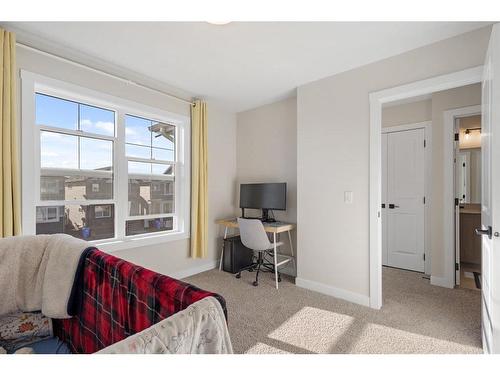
[(265, 216)]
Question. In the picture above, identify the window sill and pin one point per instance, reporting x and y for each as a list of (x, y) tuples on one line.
[(110, 246)]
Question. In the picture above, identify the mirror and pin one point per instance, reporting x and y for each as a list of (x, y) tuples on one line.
[(468, 160)]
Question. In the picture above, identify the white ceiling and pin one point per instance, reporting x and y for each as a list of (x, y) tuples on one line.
[(239, 65)]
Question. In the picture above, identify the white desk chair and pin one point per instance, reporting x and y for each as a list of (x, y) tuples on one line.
[(254, 237)]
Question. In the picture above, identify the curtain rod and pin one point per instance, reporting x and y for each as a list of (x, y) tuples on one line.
[(127, 81)]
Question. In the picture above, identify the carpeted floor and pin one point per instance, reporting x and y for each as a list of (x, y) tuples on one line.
[(416, 317)]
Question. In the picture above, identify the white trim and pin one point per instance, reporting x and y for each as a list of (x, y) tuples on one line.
[(75, 172), (77, 133), (153, 161), (140, 240), (332, 291), (442, 281), (412, 126), (194, 270), (31, 83), (100, 99), (449, 189), (423, 87), (427, 126)]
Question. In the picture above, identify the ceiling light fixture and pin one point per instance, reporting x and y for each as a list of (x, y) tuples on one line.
[(218, 23)]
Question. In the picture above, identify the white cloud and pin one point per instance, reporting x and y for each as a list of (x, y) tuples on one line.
[(107, 126)]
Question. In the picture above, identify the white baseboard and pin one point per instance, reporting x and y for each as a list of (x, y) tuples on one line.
[(442, 281), (334, 292), (195, 270)]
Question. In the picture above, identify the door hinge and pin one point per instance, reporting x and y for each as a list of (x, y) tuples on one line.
[(425, 144), (456, 267), (424, 256), (456, 201), (424, 200), (456, 137), (463, 165)]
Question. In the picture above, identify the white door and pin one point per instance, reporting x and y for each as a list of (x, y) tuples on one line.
[(463, 176), (385, 260), (405, 199), (490, 197)]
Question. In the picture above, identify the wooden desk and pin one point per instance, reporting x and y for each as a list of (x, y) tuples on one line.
[(274, 228)]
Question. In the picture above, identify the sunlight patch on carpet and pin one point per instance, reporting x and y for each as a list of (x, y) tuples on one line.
[(376, 338), (313, 329)]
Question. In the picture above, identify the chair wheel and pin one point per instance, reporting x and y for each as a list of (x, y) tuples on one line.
[(250, 270), (255, 283), (238, 275)]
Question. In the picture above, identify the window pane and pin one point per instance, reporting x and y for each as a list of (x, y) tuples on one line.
[(54, 187), (97, 120), (137, 130), (96, 154), (60, 113), (162, 169), (150, 168), (58, 150), (163, 154), (146, 197), (148, 226), (137, 167), (78, 221), (163, 135), (138, 151)]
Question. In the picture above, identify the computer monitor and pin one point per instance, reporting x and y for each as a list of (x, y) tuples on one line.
[(264, 196)]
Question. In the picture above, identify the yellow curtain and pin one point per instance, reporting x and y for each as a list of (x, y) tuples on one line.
[(199, 180), (10, 201)]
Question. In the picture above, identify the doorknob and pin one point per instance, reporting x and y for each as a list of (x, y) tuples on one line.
[(392, 206), (484, 232)]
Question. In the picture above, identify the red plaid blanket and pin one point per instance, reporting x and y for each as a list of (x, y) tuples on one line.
[(119, 299)]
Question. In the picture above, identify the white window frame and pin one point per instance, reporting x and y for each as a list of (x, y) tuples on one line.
[(30, 160)]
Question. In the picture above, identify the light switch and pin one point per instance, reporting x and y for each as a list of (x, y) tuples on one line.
[(348, 196)]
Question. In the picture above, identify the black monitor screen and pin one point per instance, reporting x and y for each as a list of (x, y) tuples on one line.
[(267, 196)]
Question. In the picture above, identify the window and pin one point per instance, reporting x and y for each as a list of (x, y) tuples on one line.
[(150, 149), (102, 211), (101, 168), (47, 214)]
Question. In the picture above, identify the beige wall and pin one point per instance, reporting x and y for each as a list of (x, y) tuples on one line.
[(173, 257), (408, 113), (267, 152), (333, 157)]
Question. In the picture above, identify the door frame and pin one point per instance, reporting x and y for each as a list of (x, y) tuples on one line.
[(449, 222), (377, 99), (427, 126)]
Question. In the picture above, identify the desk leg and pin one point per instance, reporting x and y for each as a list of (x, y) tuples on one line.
[(291, 249), (222, 251), (275, 260)]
